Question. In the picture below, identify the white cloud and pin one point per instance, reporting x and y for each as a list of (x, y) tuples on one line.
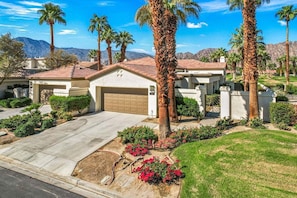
[(129, 24), (198, 25), (214, 6), (106, 3), (10, 26), (15, 10), (66, 32), (282, 23), (30, 3)]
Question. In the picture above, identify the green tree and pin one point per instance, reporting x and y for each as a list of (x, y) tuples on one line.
[(176, 11), (262, 58), (123, 39), (50, 14), (233, 59), (98, 23), (216, 55), (92, 54), (294, 60), (109, 36), (60, 58), (280, 61), (12, 57), (204, 59), (287, 13)]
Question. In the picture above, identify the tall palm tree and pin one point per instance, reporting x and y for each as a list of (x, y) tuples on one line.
[(233, 59), (176, 11), (98, 23), (108, 35), (123, 39), (287, 13), (159, 27), (50, 14)]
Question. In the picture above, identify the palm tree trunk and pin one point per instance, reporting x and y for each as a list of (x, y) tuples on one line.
[(250, 47), (280, 68), (234, 70), (123, 53), (99, 53), (157, 11), (287, 55), (52, 47), (109, 53), (172, 62)]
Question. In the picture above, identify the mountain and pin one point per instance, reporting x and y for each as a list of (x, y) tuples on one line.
[(39, 48), (274, 50)]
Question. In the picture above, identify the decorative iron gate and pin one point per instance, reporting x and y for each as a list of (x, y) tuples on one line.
[(212, 105)]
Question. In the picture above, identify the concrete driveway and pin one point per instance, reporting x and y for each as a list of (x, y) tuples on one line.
[(60, 148)]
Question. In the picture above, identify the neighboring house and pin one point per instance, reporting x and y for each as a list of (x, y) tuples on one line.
[(193, 72), (64, 81), (128, 87), (36, 63)]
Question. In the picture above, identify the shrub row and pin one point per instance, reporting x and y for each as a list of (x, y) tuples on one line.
[(187, 107), (70, 103), (15, 102)]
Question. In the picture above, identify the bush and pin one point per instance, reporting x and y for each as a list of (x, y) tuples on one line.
[(257, 123), (281, 98), (137, 134), (14, 121), (6, 102), (47, 123), (70, 103), (283, 126), (15, 102), (282, 112), (25, 130), (35, 118), (291, 89), (8, 94), (280, 86), (187, 107), (224, 124), (136, 149)]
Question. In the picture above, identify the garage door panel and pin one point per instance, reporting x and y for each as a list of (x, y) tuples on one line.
[(125, 100)]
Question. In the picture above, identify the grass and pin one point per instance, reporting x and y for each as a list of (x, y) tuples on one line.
[(272, 81), (255, 163)]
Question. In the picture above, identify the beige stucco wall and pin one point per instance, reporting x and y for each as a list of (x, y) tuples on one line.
[(11, 82), (122, 79)]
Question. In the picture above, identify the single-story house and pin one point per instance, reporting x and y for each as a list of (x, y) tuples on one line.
[(128, 87), (64, 81)]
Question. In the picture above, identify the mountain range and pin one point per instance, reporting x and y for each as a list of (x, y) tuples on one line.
[(39, 48)]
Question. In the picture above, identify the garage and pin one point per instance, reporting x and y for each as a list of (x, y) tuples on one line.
[(125, 100)]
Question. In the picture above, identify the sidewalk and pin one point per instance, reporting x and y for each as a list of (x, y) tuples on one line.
[(8, 112)]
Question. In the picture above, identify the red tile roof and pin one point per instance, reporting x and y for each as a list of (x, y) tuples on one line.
[(64, 73), (192, 64)]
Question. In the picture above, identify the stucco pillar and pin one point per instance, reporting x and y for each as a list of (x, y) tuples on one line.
[(200, 97), (225, 102)]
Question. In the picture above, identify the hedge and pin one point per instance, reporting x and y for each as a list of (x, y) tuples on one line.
[(70, 103), (282, 112)]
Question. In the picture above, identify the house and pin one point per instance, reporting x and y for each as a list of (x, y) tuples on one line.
[(128, 87), (63, 81)]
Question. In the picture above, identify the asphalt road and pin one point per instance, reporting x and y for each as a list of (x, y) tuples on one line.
[(16, 185)]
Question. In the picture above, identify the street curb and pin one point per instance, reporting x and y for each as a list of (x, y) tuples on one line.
[(69, 183)]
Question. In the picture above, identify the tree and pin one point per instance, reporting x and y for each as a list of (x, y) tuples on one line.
[(60, 58), (216, 55), (98, 24), (294, 60), (287, 13), (108, 35), (12, 57), (176, 11), (280, 61), (204, 59), (159, 27), (233, 59), (123, 39), (117, 57), (51, 14), (92, 54), (262, 58)]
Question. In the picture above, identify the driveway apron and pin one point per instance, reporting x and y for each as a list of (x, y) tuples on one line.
[(58, 149)]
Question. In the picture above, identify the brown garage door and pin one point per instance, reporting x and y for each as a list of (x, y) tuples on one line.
[(125, 100)]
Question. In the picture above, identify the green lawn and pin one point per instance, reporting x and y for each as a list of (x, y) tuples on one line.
[(255, 163)]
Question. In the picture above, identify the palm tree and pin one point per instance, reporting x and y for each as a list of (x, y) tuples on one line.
[(262, 58), (51, 14), (204, 59), (280, 61), (216, 55), (233, 59), (92, 54), (287, 13), (98, 24), (176, 11), (159, 27), (108, 35), (123, 39)]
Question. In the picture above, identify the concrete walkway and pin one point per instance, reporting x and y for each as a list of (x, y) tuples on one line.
[(8, 112), (58, 149)]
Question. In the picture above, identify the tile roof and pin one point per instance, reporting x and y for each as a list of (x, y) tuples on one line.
[(192, 64), (64, 73), (144, 67), (88, 64)]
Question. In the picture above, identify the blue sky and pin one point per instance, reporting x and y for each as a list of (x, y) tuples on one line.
[(213, 29)]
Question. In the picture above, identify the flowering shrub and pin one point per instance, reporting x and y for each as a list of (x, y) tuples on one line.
[(155, 171), (167, 143), (136, 150), (137, 134)]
